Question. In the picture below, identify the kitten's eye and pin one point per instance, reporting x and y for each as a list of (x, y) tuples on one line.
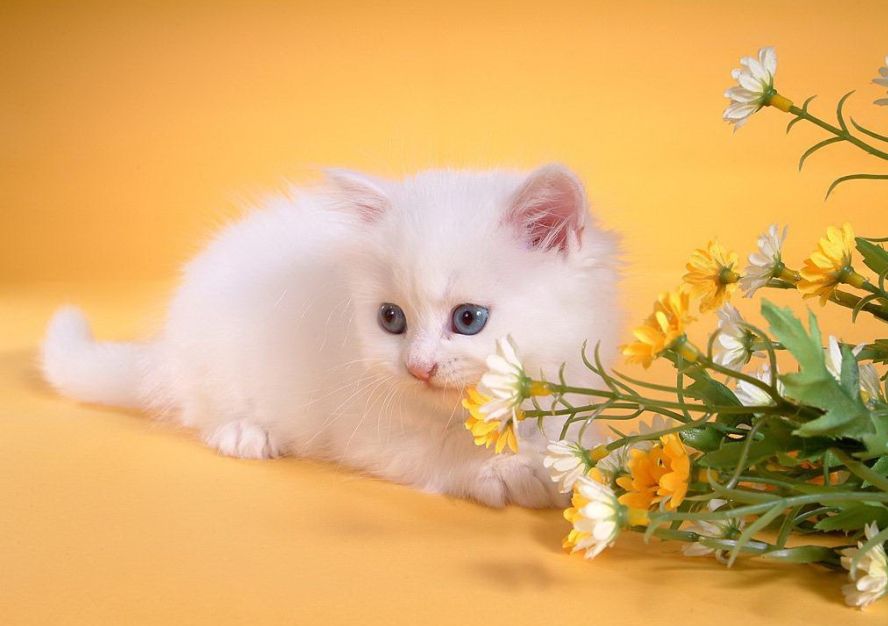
[(391, 318), (469, 319)]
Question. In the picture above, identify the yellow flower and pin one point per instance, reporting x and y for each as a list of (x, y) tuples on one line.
[(662, 330), (488, 432), (661, 473), (830, 265), (711, 276)]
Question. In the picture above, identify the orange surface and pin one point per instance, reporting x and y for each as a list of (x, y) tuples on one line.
[(129, 131)]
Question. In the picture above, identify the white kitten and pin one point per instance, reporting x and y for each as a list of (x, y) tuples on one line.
[(327, 325)]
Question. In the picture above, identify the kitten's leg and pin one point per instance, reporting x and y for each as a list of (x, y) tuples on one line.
[(242, 438), (514, 478), (468, 471), (222, 426)]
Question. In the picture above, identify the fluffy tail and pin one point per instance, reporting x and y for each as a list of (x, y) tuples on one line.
[(80, 367)]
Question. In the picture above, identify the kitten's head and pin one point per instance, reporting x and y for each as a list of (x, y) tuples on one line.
[(449, 261)]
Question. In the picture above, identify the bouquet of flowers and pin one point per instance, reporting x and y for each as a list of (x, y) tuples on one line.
[(787, 462)]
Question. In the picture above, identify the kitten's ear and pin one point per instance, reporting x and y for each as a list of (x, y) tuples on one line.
[(358, 193), (549, 209)]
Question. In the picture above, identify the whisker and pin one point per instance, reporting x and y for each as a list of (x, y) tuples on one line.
[(335, 414), (367, 405), (456, 406)]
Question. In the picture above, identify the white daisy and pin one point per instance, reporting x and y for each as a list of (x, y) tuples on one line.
[(869, 376), (504, 382), (764, 264), (566, 462), (755, 86), (715, 529), (751, 395), (883, 81), (733, 345), (865, 589), (595, 516)]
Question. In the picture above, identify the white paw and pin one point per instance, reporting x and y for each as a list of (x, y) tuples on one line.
[(510, 478), (242, 439)]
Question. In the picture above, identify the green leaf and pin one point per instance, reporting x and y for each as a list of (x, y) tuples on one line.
[(729, 454), (876, 352), (850, 374), (710, 391), (879, 467), (877, 442), (777, 438), (816, 147), (842, 179), (704, 438), (854, 517), (845, 414), (867, 131), (874, 256), (714, 393)]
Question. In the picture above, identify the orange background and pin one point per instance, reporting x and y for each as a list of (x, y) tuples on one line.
[(129, 131)]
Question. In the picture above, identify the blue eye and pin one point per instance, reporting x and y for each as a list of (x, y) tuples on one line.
[(469, 319), (391, 318)]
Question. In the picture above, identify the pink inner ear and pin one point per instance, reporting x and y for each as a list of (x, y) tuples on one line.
[(549, 209), (359, 194), (368, 210)]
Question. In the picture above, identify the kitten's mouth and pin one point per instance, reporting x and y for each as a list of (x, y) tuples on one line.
[(432, 384), (435, 383), (439, 385)]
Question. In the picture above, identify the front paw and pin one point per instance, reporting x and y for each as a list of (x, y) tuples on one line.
[(516, 479), (243, 439)]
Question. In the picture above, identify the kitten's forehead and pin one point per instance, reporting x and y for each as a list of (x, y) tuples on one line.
[(441, 211), (445, 228)]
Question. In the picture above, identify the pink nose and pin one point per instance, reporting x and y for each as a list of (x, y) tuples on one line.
[(422, 371)]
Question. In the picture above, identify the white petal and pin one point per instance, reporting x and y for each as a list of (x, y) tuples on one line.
[(739, 112), (604, 530), (566, 464), (768, 59), (508, 350), (559, 447), (757, 70), (738, 124), (498, 364), (744, 96), (834, 358), (598, 511), (751, 83), (593, 552)]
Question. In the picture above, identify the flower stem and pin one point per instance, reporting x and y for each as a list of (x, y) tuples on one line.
[(753, 509), (838, 132), (851, 301), (873, 289)]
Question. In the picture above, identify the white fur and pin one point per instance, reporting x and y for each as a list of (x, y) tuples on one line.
[(272, 346)]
